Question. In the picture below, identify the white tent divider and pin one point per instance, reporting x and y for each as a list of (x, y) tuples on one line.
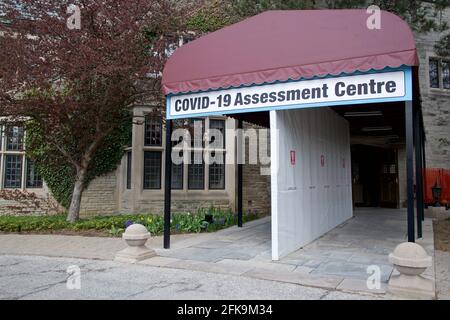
[(311, 190)]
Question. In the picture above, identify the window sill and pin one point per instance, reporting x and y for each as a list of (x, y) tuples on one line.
[(31, 189), (201, 195), (440, 91)]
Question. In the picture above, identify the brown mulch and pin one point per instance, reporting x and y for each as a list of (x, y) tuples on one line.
[(441, 230)]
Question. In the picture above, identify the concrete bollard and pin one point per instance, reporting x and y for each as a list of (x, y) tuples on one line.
[(136, 235), (411, 260)]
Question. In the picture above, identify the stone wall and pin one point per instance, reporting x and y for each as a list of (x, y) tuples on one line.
[(26, 203), (152, 206), (139, 200), (100, 196), (435, 104), (256, 180), (256, 191), (98, 199), (107, 194)]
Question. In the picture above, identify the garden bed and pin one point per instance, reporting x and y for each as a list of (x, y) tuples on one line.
[(114, 226)]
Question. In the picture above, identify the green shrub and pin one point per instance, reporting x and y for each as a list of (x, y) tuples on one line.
[(115, 225)]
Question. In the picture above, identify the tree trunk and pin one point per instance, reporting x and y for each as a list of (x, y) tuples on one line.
[(74, 209)]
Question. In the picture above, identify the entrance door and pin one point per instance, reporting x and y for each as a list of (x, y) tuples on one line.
[(374, 176)]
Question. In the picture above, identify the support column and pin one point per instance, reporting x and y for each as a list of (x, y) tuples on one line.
[(240, 158), (409, 168), (167, 183), (424, 165), (418, 155)]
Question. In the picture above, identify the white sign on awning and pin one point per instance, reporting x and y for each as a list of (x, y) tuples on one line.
[(354, 89)]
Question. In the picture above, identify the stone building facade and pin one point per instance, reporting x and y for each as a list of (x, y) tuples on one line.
[(137, 185), (127, 191), (256, 192), (435, 97), (435, 105), (22, 191)]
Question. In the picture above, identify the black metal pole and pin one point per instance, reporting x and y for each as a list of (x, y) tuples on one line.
[(418, 155), (240, 157), (167, 184), (424, 164), (421, 194), (409, 168)]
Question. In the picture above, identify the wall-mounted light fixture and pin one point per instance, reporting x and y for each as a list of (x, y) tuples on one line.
[(363, 113), (370, 129)]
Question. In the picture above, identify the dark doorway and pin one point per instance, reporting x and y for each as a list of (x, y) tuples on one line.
[(374, 176)]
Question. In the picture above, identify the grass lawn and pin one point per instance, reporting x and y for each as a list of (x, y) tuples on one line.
[(115, 225)]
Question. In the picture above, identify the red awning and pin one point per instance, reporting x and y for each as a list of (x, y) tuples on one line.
[(283, 45)]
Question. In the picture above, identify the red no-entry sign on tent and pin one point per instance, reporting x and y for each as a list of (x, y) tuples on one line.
[(292, 157)]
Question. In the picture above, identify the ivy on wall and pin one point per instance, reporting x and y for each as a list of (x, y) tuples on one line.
[(211, 16), (442, 47), (207, 21), (54, 168)]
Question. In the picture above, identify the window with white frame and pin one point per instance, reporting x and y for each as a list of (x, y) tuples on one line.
[(178, 168), (215, 152), (153, 130), (17, 172), (217, 167), (152, 169), (439, 73), (197, 173), (196, 167), (13, 171), (152, 151)]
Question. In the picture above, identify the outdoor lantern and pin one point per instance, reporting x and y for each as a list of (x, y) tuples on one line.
[(436, 190)]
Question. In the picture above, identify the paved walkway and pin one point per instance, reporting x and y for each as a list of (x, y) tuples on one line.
[(102, 248), (33, 277), (336, 261), (366, 239), (442, 262)]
